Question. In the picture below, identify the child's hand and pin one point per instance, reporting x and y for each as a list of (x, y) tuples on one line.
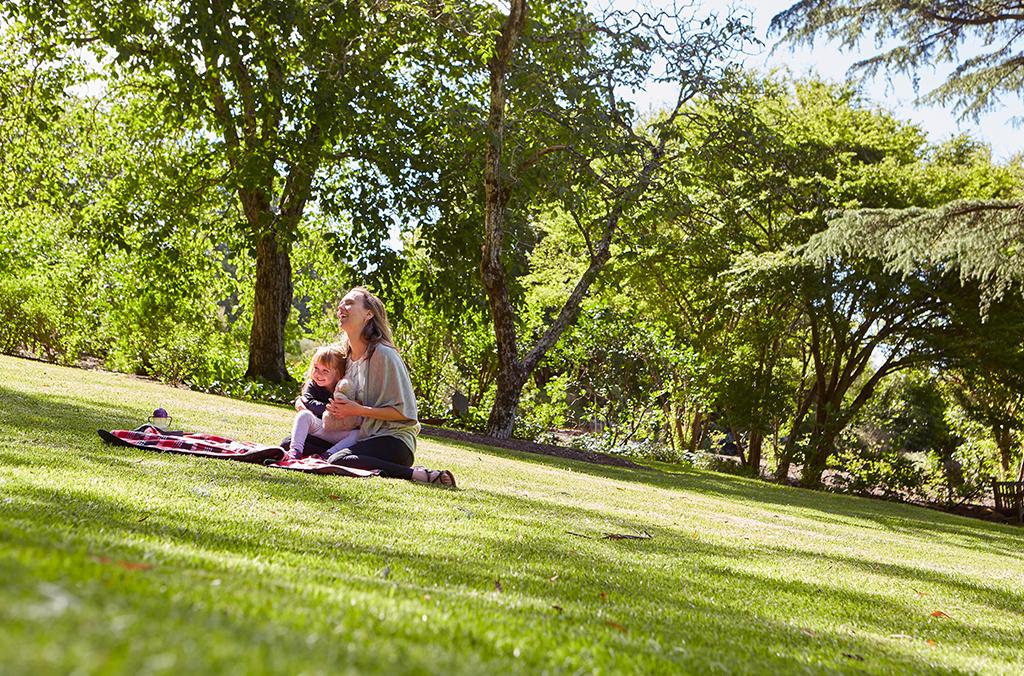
[(299, 406), (340, 406)]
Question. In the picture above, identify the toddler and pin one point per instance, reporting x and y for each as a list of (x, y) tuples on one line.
[(324, 380)]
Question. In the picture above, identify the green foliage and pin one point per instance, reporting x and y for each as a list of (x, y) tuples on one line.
[(131, 227), (27, 319), (447, 348), (888, 449), (975, 459), (889, 474)]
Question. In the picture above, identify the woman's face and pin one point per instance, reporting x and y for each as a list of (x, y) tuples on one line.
[(353, 313)]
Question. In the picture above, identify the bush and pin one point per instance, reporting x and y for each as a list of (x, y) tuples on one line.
[(637, 449), (888, 473), (28, 323)]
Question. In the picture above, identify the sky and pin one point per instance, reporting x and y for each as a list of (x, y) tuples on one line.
[(892, 93)]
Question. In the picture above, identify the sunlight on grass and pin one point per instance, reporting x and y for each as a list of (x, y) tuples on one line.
[(122, 560)]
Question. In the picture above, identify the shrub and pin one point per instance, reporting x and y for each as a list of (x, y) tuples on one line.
[(28, 322), (888, 473)]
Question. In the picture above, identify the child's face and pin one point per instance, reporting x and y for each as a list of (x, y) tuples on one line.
[(324, 376)]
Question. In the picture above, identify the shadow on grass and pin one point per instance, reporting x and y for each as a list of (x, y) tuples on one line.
[(670, 604), (822, 506), (61, 419), (101, 523)]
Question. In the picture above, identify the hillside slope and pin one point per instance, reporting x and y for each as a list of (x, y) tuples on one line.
[(118, 560)]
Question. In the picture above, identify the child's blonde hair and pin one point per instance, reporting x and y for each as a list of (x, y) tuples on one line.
[(331, 356)]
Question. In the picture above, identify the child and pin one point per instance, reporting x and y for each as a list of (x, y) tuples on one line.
[(325, 378)]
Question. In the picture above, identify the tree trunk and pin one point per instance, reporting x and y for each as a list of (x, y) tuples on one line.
[(271, 304), (814, 467), (1004, 444), (816, 460), (511, 374), (675, 430), (786, 457), (696, 431), (501, 422), (754, 451)]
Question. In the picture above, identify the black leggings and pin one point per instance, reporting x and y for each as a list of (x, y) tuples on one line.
[(388, 454)]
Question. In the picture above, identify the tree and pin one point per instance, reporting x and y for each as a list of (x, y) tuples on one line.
[(786, 337), (982, 236), (87, 246), (296, 94), (997, 404), (558, 139), (715, 260), (966, 252), (927, 32)]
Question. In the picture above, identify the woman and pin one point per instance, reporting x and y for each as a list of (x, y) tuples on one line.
[(387, 435)]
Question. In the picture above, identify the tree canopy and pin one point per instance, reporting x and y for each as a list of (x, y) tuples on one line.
[(916, 35)]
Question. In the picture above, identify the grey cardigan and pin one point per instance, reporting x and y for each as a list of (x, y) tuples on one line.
[(386, 384)]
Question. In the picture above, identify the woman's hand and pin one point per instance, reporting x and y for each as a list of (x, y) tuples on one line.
[(339, 406)]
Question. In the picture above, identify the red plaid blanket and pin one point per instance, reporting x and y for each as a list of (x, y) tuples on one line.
[(213, 446), (208, 445)]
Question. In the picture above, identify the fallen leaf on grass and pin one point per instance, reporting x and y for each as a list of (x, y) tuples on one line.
[(939, 613), (616, 626), (127, 565), (553, 577), (931, 643), (498, 587), (603, 596), (808, 632), (920, 594), (335, 497), (640, 535), (143, 518), (851, 656), (557, 609)]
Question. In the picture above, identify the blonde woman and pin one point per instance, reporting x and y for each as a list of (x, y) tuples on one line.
[(382, 396)]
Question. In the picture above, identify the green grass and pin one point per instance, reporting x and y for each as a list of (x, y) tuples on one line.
[(120, 560)]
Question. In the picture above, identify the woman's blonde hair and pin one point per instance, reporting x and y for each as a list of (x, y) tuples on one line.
[(331, 356), (377, 331)]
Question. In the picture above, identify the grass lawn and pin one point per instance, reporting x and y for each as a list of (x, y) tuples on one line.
[(122, 560)]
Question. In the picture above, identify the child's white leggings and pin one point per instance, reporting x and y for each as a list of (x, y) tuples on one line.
[(307, 424)]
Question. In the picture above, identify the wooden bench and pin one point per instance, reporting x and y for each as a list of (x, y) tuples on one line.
[(1009, 498)]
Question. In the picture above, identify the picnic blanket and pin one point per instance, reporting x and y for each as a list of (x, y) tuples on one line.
[(214, 446)]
